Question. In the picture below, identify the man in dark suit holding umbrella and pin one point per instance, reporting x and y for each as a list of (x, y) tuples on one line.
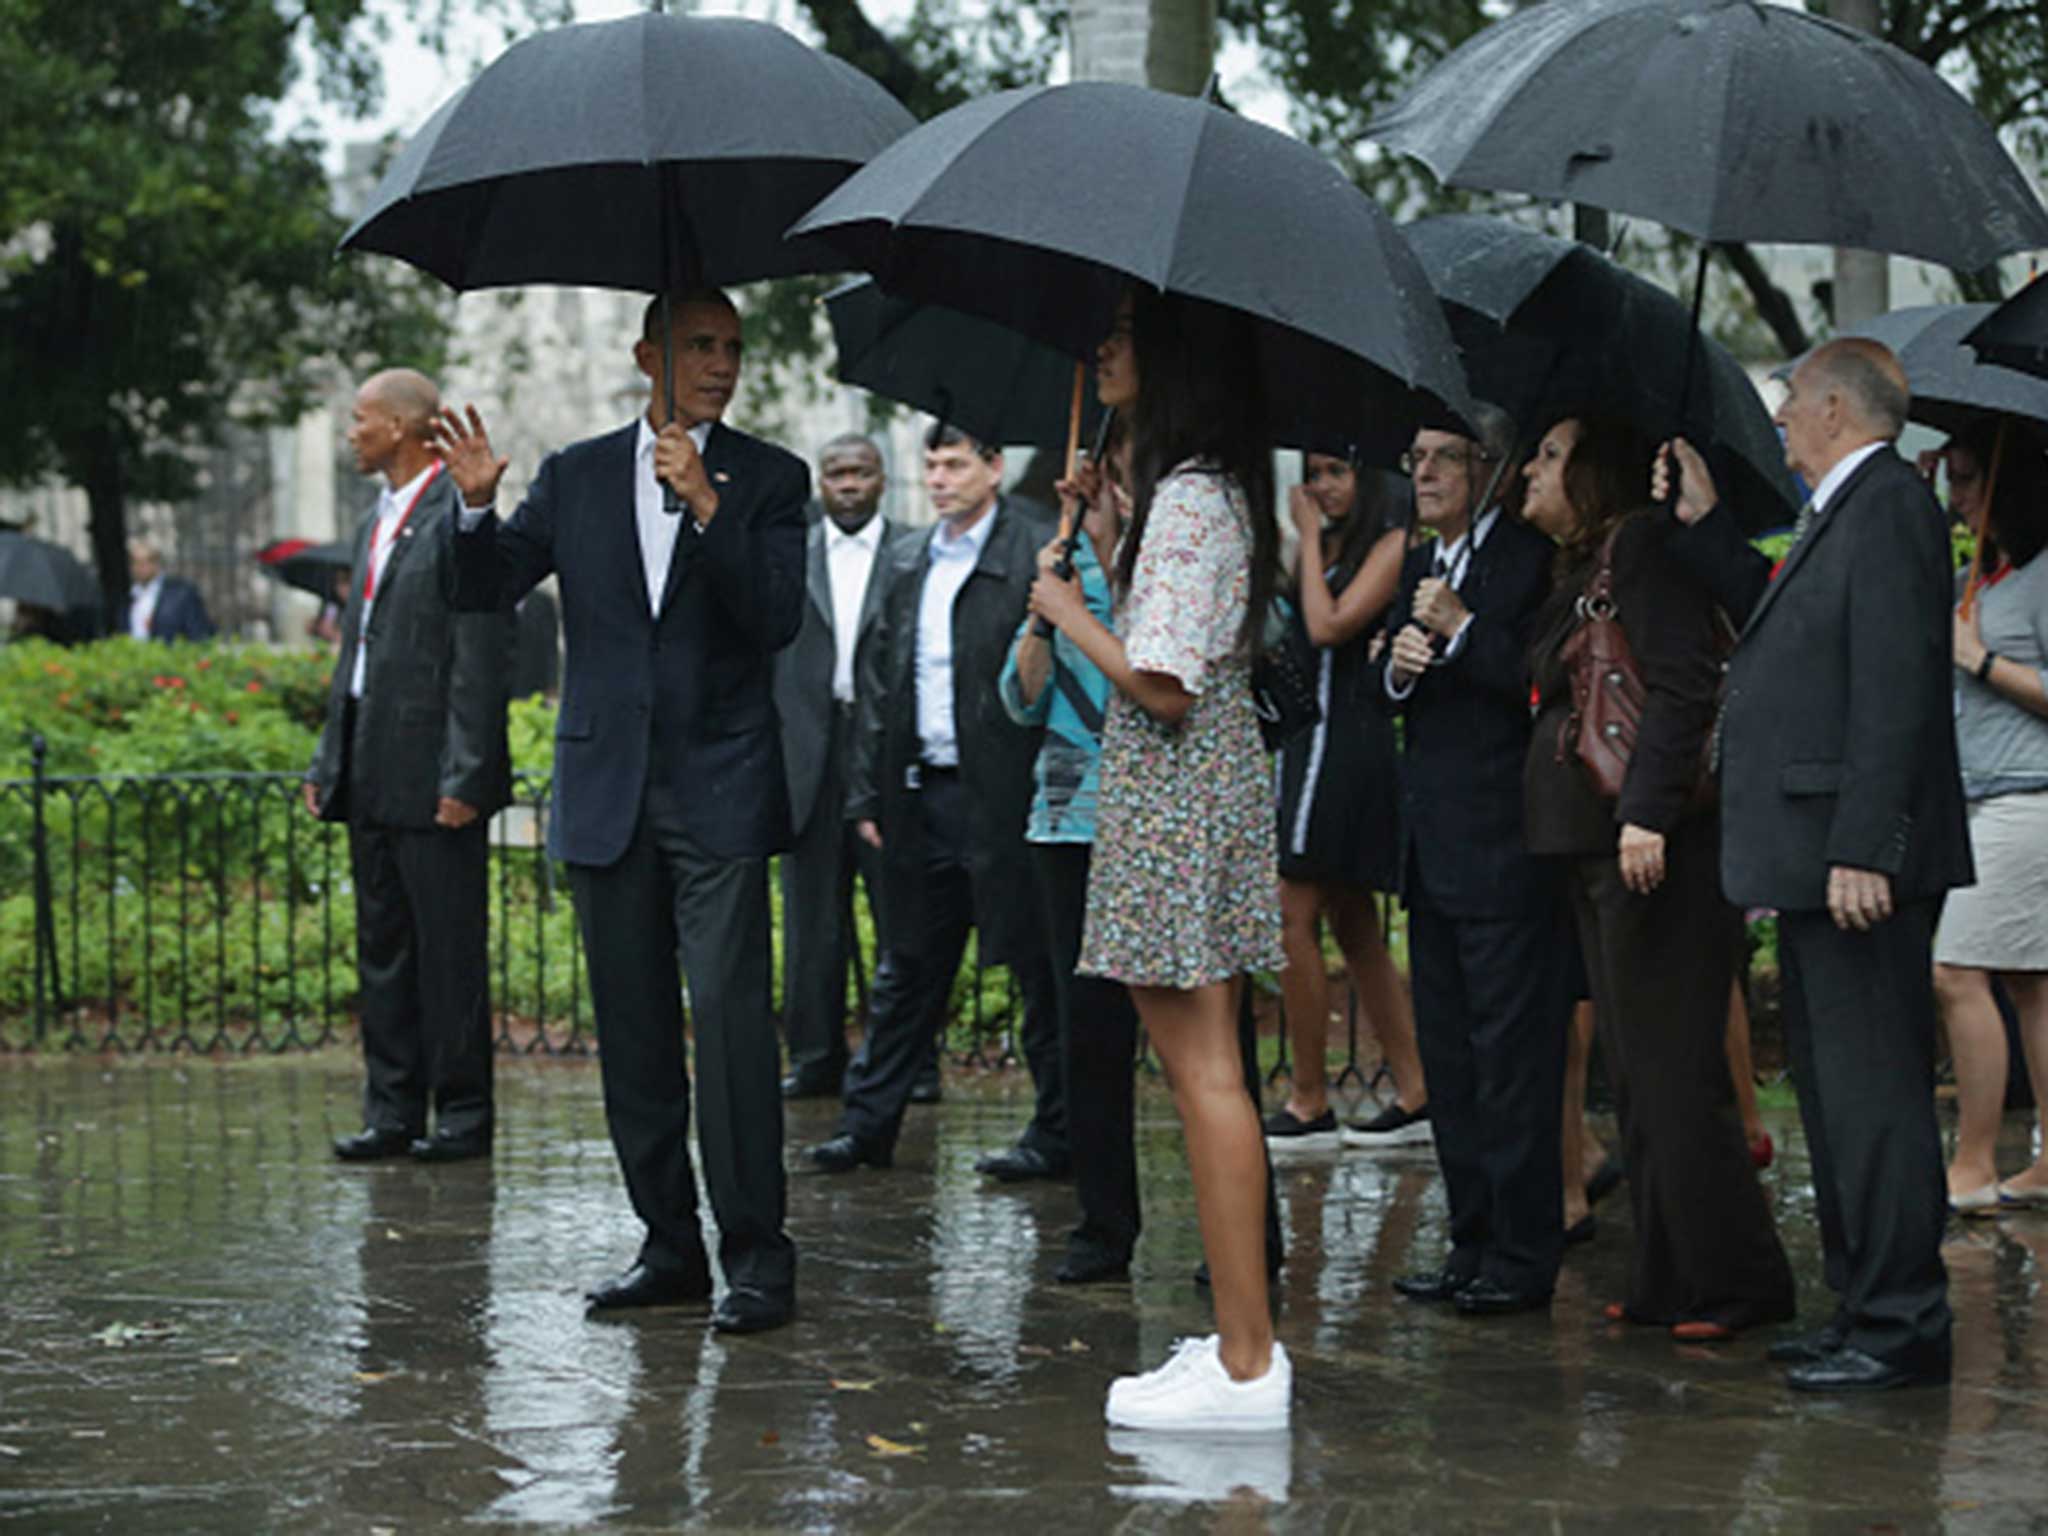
[(1842, 807), (669, 787)]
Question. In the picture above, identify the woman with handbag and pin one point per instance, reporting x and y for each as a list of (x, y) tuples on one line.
[(1627, 668), (1338, 810), (1182, 886)]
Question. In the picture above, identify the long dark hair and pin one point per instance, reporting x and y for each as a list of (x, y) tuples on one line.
[(1606, 481), (1346, 545), (1199, 398)]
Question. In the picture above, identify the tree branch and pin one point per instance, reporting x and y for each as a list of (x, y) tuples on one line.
[(849, 35), (1773, 305)]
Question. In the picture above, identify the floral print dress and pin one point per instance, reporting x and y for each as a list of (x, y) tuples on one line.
[(1184, 887)]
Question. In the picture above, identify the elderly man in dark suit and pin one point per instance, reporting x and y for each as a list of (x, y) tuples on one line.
[(1485, 941), (669, 789), (815, 680), (413, 758), (1842, 807), (160, 606), (942, 783)]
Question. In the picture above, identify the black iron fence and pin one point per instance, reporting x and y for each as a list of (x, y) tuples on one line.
[(207, 912)]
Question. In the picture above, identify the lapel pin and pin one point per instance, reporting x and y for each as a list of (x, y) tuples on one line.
[(720, 476)]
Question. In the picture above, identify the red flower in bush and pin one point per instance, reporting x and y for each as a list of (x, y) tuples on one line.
[(232, 718), (204, 662), (255, 686)]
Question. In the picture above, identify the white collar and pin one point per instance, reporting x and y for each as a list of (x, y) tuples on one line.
[(1475, 535), (643, 445), (868, 537), (968, 545), (1845, 466), (396, 501)]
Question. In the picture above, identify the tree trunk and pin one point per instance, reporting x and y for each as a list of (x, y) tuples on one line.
[(1169, 45), (1863, 279), (106, 494)]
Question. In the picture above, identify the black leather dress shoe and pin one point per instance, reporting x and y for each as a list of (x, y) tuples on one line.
[(370, 1144), (749, 1309), (642, 1286), (439, 1148), (1488, 1298), (844, 1153), (1092, 1266), (1432, 1284), (1805, 1348), (1851, 1370), (1016, 1164), (812, 1083)]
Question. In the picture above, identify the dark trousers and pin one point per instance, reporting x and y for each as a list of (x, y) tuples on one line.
[(1661, 966), (666, 901), (1098, 1056), (915, 976), (817, 917), (1490, 1020), (423, 958), (1859, 1030)]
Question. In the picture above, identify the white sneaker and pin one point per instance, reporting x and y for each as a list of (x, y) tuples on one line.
[(1193, 1391)]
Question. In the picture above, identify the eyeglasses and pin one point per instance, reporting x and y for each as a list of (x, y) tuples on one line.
[(1446, 458)]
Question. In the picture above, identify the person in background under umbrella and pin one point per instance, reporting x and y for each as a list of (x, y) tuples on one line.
[(1339, 815), (1183, 887), (1999, 926), (1643, 875)]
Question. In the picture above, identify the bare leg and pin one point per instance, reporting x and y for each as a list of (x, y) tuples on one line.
[(1305, 992), (1381, 992), (1976, 1040), (2029, 993), (1195, 1033), (1741, 1066), (1581, 1149)]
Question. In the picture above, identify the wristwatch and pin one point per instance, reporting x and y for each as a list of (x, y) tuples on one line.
[(1983, 672)]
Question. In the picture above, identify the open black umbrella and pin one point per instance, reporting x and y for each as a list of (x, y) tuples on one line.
[(307, 566), (1037, 207), (982, 377), (2015, 333), (1950, 387), (655, 153), (36, 571), (1726, 120), (1549, 325)]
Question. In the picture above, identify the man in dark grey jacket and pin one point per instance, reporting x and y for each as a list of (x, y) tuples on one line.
[(413, 758)]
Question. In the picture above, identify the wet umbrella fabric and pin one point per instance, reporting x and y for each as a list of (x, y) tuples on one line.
[(1950, 387), (1549, 325), (2015, 333), (1035, 208), (36, 571), (1729, 120), (652, 152), (984, 378), (307, 566)]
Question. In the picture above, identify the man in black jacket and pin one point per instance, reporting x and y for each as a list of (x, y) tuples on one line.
[(1842, 807), (815, 678), (942, 783), (669, 790), (413, 758), (160, 606), (1485, 939)]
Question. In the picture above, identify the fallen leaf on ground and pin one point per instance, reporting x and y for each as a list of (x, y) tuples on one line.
[(1033, 1349), (10, 1450), (1076, 1347), (391, 1235), (883, 1446), (120, 1335), (770, 1437), (841, 1385), (371, 1378), (222, 1360)]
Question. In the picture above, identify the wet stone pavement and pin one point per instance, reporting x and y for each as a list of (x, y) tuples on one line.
[(208, 1325)]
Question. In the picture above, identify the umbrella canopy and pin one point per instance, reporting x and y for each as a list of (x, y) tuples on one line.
[(305, 565), (1950, 387), (655, 152), (984, 378), (1549, 325), (37, 571), (2015, 333), (1035, 208), (1726, 120)]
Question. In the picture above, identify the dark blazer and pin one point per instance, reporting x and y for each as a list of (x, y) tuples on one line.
[(1466, 735), (431, 721), (180, 613), (803, 668), (685, 693), (996, 754), (1676, 642), (1838, 744)]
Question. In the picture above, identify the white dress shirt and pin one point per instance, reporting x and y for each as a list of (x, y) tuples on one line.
[(950, 560), (1453, 563), (391, 506), (142, 606), (1832, 481), (658, 529), (849, 562)]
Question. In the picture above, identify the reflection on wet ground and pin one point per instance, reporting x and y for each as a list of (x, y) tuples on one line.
[(209, 1325)]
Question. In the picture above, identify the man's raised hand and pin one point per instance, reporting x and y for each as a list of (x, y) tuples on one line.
[(465, 447)]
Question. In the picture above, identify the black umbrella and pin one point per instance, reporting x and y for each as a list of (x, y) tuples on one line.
[(1950, 387), (45, 574), (655, 152), (1549, 325), (1724, 119), (2015, 334), (307, 566), (982, 377), (1037, 207)]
